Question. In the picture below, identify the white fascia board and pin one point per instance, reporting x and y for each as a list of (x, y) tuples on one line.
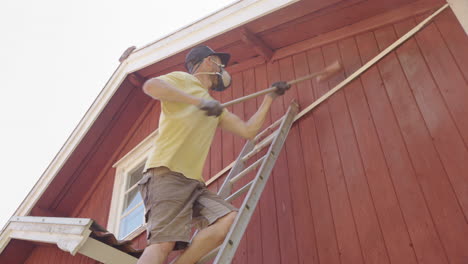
[(227, 19), (105, 253), (236, 14)]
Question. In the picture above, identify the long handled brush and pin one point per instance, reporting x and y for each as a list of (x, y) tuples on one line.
[(320, 76)]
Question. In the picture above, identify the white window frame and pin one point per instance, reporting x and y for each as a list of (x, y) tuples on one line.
[(124, 166)]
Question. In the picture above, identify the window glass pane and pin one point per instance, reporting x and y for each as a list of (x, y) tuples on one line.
[(133, 197), (131, 200), (131, 222), (135, 175)]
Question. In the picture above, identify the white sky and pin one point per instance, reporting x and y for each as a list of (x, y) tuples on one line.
[(55, 57)]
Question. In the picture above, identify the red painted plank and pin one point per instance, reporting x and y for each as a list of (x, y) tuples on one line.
[(61, 257), (287, 240), (291, 13), (363, 208), (39, 255), (382, 190), (253, 231), (424, 238), (445, 137), (423, 235), (347, 240), (349, 30), (238, 109), (267, 204), (454, 90), (146, 123), (303, 224), (348, 13), (29, 258), (426, 164), (327, 247), (17, 252)]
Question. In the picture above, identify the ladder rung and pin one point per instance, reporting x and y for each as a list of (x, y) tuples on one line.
[(240, 191), (268, 129), (247, 170), (209, 256), (260, 146)]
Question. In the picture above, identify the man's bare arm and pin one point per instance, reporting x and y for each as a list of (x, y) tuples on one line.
[(249, 129), (164, 91)]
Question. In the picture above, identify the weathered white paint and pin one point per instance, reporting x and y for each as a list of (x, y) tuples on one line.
[(52, 220), (69, 234)]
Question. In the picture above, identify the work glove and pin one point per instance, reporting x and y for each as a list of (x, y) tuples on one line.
[(211, 107), (281, 87)]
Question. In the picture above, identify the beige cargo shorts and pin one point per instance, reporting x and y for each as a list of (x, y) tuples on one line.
[(173, 203)]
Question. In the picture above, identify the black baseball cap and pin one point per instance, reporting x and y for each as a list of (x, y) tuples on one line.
[(197, 54)]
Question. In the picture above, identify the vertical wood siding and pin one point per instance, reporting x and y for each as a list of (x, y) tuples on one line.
[(379, 172), (376, 174)]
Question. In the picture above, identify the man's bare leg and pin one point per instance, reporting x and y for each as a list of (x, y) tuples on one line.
[(207, 240), (156, 253)]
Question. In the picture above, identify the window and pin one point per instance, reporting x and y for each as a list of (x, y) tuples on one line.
[(126, 216), (133, 209)]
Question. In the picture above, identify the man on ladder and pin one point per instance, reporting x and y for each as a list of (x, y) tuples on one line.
[(172, 186)]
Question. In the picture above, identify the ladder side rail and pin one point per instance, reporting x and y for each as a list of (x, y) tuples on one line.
[(235, 234)]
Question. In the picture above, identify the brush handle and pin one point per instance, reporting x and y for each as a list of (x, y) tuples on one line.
[(324, 74)]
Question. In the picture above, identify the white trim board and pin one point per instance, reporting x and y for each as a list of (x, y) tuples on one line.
[(224, 20), (237, 14)]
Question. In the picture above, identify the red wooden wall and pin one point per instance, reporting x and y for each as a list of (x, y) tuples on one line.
[(376, 174)]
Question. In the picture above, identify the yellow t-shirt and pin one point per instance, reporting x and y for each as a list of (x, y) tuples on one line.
[(185, 132)]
